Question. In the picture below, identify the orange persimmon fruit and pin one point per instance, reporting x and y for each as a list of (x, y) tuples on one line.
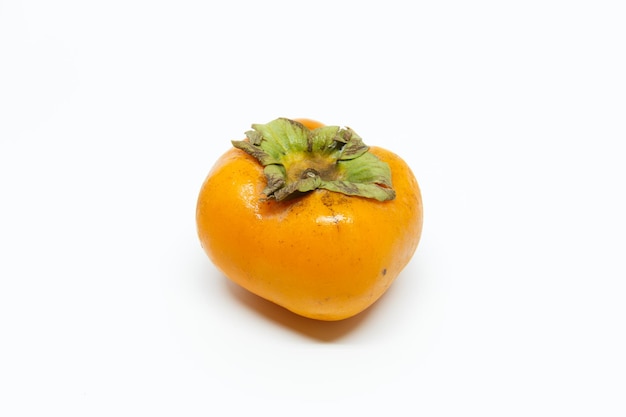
[(309, 217)]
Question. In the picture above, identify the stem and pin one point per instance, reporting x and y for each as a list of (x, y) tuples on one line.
[(298, 160)]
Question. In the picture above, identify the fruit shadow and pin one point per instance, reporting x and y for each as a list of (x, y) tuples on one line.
[(323, 331)]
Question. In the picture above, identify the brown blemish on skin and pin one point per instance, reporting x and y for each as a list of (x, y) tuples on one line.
[(330, 199)]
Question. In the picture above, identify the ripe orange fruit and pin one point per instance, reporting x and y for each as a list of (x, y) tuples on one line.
[(310, 218)]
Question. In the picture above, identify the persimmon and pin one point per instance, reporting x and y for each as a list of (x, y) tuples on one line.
[(309, 217)]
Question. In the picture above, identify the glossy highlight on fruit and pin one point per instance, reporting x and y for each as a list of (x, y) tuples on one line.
[(309, 217)]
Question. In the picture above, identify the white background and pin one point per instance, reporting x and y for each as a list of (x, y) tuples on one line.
[(511, 114)]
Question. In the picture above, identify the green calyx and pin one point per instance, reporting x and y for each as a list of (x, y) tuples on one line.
[(298, 160)]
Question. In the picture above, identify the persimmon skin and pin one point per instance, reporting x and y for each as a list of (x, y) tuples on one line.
[(322, 255)]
